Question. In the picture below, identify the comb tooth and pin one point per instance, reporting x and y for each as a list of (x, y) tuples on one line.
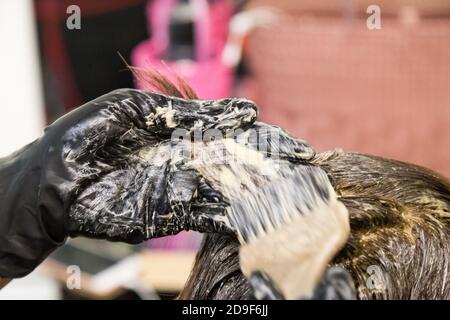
[(285, 189), (253, 230), (243, 222), (269, 213), (244, 237), (259, 223), (250, 222), (280, 205), (265, 211), (311, 189), (248, 226), (281, 192), (282, 201), (248, 206), (242, 230), (271, 221), (242, 234), (299, 203), (265, 222), (307, 203), (290, 211), (233, 214), (278, 219), (261, 206)]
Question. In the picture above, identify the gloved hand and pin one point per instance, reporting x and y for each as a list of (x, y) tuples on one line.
[(105, 170)]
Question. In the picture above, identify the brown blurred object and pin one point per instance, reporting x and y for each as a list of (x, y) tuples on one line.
[(330, 80), (4, 282), (165, 270)]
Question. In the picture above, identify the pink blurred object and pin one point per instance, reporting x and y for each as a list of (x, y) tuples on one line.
[(207, 75), (182, 241)]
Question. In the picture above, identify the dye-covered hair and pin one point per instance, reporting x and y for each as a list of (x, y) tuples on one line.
[(399, 247)]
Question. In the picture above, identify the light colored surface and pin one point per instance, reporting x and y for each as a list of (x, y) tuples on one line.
[(21, 103), (166, 270), (160, 270), (32, 287)]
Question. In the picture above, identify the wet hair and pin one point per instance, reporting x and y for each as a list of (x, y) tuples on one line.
[(399, 247), (216, 273), (154, 80)]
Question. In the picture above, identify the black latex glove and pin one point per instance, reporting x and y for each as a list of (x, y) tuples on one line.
[(103, 171)]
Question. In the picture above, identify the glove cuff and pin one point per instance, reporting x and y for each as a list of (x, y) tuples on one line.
[(24, 238)]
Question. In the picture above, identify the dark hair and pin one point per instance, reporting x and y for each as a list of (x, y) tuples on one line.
[(399, 247), (216, 273)]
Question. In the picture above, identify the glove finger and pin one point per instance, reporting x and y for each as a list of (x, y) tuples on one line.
[(209, 218), (275, 143), (124, 120), (207, 194), (190, 115)]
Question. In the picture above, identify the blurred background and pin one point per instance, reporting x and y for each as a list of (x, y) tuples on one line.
[(362, 76)]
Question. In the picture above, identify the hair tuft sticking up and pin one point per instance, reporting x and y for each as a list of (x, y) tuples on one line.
[(152, 79)]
